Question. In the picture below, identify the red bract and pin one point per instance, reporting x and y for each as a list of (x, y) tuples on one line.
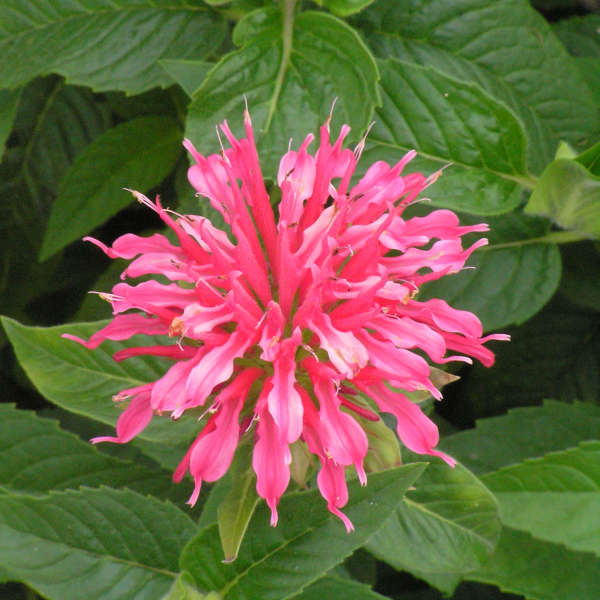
[(305, 325)]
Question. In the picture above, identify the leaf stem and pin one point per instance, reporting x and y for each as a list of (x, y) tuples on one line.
[(554, 237), (287, 33)]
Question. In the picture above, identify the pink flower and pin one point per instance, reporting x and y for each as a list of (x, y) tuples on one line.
[(301, 322)]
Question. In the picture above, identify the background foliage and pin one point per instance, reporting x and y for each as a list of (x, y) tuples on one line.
[(97, 95)]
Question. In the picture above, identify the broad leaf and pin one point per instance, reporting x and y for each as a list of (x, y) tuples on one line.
[(555, 498), (523, 433), (555, 354), (102, 44), (291, 93), (331, 587), (37, 456), (102, 543), (448, 523), (540, 570), (52, 116), (450, 122), (8, 107), (189, 74), (513, 277), (137, 154), (570, 195), (84, 381), (277, 562), (580, 36), (507, 48)]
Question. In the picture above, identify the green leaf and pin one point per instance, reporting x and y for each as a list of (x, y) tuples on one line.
[(450, 121), (590, 159), (507, 48), (448, 523), (570, 195), (540, 570), (555, 498), (555, 354), (184, 589), (137, 154), (236, 509), (292, 87), (37, 456), (331, 587), (513, 277), (9, 99), (523, 433), (189, 74), (52, 116), (103, 44), (84, 381), (580, 34), (277, 562), (344, 8), (92, 543)]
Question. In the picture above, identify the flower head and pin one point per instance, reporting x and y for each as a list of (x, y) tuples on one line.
[(296, 329)]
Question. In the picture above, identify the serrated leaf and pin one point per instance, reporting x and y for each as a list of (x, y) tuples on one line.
[(137, 154), (83, 381), (507, 48), (513, 277), (37, 456), (275, 563), (570, 195), (448, 523), (287, 97), (523, 433), (555, 498), (103, 44), (540, 570), (331, 587), (555, 354), (9, 100), (92, 543), (450, 121), (189, 74)]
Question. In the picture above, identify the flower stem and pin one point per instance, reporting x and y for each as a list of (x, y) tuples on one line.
[(287, 33)]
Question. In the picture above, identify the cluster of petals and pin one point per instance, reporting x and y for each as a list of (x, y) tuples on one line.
[(293, 329)]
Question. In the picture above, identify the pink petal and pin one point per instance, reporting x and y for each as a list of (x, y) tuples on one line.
[(270, 460), (122, 327), (332, 485), (132, 421), (416, 431), (284, 402)]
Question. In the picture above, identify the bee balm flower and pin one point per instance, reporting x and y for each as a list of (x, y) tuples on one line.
[(296, 328)]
